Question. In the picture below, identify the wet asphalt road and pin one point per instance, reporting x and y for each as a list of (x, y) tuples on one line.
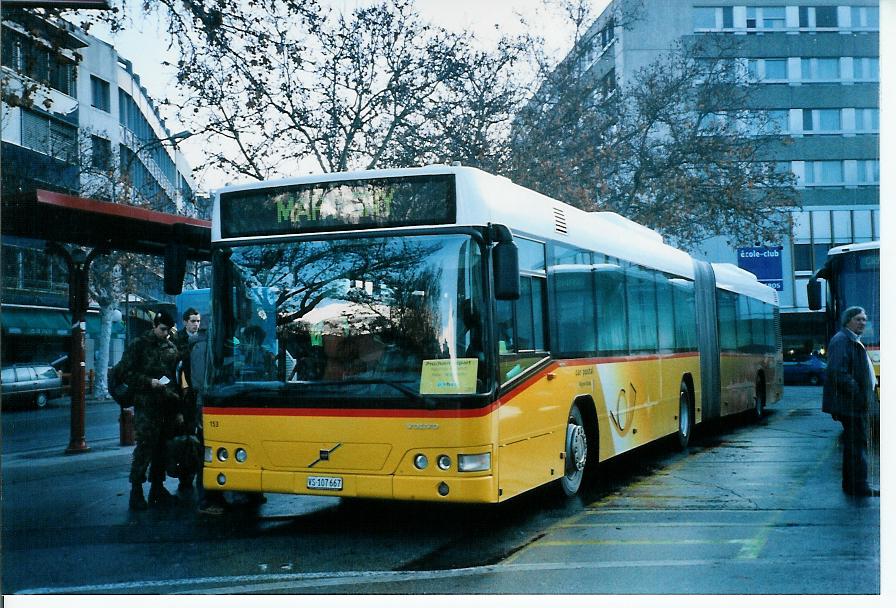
[(748, 509)]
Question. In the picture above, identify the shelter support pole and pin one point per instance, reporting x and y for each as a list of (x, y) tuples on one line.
[(78, 263)]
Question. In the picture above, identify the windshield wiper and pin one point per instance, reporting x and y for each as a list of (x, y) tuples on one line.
[(424, 399)]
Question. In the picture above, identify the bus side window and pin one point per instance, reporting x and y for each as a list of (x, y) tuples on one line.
[(521, 326)]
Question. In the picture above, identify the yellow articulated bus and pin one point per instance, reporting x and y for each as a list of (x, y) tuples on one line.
[(442, 334)]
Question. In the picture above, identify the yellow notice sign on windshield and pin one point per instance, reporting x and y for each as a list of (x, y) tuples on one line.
[(448, 376)]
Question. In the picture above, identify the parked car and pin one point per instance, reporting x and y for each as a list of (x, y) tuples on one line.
[(33, 383), (62, 365), (805, 369)]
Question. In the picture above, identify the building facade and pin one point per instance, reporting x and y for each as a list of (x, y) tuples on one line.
[(76, 120), (814, 66)]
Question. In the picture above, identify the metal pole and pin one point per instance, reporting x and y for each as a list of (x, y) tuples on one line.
[(78, 276)]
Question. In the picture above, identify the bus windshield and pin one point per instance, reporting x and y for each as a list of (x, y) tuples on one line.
[(858, 284), (394, 318)]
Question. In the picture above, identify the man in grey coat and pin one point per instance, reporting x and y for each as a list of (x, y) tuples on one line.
[(849, 397)]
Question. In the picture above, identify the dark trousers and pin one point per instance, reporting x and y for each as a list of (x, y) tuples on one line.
[(149, 433), (855, 453)]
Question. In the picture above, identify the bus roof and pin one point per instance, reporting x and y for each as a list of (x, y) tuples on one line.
[(854, 247), (483, 198)]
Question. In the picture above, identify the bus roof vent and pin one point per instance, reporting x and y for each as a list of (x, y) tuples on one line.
[(559, 220)]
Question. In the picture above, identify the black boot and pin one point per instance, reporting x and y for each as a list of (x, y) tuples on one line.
[(159, 496), (137, 502)]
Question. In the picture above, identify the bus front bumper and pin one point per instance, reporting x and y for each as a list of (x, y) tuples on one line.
[(450, 488)]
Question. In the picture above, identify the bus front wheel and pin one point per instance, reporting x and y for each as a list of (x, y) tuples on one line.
[(576, 453)]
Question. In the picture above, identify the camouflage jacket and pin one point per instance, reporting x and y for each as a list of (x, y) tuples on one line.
[(148, 358)]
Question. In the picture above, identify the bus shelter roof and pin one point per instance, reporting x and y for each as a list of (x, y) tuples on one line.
[(63, 218)]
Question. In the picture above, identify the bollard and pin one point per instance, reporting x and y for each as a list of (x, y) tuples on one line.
[(126, 426)]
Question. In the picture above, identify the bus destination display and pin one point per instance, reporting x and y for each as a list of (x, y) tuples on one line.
[(345, 205)]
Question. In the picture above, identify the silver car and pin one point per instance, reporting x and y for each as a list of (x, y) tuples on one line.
[(30, 383)]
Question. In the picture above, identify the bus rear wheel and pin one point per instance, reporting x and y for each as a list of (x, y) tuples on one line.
[(576, 453), (685, 417)]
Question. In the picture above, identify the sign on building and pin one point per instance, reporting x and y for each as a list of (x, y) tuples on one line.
[(765, 263)]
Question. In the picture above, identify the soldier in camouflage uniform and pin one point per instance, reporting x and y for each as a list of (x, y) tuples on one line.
[(148, 361)]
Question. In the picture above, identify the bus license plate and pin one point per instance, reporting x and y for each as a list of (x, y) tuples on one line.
[(324, 483)]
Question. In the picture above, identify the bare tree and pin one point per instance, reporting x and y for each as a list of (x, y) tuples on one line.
[(677, 147)]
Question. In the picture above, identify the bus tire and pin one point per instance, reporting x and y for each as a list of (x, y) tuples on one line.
[(759, 398), (685, 416), (576, 447)]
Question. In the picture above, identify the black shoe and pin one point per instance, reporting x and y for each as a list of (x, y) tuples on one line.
[(159, 496), (185, 488), (137, 502)]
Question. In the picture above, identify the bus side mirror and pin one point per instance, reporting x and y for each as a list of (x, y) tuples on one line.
[(506, 264), (175, 268), (175, 261), (813, 291)]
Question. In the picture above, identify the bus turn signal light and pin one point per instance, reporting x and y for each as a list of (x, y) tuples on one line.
[(474, 462)]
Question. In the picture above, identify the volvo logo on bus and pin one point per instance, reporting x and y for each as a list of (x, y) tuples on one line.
[(422, 426), (324, 455)]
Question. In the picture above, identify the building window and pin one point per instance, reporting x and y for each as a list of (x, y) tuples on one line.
[(865, 17), (821, 121), (818, 17), (825, 17), (779, 122), (100, 153), (705, 18), (774, 18), (802, 258), (820, 69), (866, 69), (824, 173), (32, 59), (868, 172), (608, 34), (47, 136), (768, 70), (728, 17), (867, 120), (608, 84), (101, 98), (766, 17)]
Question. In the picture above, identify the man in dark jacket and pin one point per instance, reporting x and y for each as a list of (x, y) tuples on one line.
[(149, 367), (849, 397), (183, 341)]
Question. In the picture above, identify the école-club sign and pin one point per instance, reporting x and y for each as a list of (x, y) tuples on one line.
[(765, 263)]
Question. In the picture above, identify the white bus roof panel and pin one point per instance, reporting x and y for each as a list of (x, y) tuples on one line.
[(483, 198)]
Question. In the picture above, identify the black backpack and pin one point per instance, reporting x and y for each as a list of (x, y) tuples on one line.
[(118, 388)]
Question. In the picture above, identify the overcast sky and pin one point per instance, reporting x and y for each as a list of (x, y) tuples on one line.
[(488, 19)]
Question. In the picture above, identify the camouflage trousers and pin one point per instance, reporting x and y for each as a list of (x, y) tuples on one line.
[(150, 433)]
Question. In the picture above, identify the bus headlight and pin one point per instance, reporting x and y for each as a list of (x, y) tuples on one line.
[(421, 461), (208, 453), (474, 462), (444, 462), (223, 454), (240, 455)]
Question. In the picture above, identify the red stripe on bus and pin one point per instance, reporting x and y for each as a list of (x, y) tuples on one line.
[(427, 413)]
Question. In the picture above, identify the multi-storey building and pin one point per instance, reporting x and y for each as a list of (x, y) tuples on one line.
[(814, 67), (75, 119)]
